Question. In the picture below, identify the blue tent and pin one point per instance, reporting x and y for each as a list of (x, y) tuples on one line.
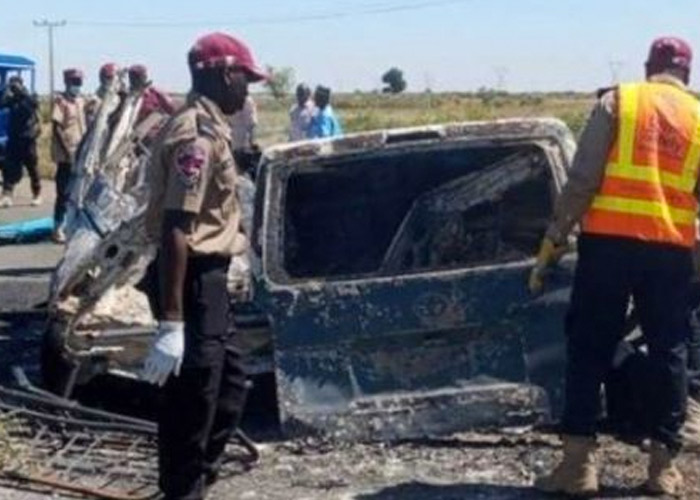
[(10, 64), (8, 61)]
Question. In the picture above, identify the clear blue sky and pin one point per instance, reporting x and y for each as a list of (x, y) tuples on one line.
[(451, 45)]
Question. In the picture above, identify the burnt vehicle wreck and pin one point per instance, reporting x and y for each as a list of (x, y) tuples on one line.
[(387, 290)]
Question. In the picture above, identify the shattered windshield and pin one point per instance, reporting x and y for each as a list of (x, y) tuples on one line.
[(415, 210)]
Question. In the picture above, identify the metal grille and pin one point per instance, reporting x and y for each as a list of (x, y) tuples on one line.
[(51, 442)]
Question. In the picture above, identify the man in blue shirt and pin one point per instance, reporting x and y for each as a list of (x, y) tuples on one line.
[(324, 122)]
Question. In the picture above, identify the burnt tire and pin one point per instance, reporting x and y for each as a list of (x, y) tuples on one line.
[(56, 369)]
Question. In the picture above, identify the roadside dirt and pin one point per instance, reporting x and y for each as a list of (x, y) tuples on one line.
[(465, 466)]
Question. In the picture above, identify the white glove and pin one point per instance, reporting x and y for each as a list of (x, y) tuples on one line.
[(166, 353)]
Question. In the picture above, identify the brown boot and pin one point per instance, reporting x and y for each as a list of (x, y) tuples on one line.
[(691, 429), (664, 476), (577, 474)]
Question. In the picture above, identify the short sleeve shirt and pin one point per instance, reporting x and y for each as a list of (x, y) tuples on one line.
[(193, 171), (300, 120), (324, 123), (69, 116)]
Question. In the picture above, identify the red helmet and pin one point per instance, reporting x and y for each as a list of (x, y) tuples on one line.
[(72, 74), (108, 70), (219, 49), (670, 52)]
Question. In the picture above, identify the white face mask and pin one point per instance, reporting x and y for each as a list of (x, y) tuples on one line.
[(73, 90)]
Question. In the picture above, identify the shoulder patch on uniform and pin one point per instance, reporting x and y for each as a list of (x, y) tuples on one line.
[(190, 160), (207, 127)]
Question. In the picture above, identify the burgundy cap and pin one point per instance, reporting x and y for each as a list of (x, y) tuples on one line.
[(219, 49), (72, 74), (138, 70), (108, 70), (670, 52)]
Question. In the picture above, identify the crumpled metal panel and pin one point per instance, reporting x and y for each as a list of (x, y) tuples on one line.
[(107, 242)]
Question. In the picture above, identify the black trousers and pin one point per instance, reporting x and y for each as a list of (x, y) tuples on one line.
[(63, 173), (610, 271), (21, 154), (201, 408)]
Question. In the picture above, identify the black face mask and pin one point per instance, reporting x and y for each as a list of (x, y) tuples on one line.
[(234, 91)]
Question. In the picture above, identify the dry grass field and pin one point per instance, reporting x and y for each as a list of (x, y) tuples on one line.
[(371, 111)]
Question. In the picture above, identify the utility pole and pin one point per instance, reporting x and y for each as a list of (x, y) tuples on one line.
[(50, 25)]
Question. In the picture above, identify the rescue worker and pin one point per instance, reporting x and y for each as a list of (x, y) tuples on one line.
[(301, 113), (107, 75), (153, 99), (633, 188), (68, 127), (22, 133), (324, 123), (195, 214)]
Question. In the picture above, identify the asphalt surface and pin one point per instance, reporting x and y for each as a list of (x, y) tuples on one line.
[(35, 256)]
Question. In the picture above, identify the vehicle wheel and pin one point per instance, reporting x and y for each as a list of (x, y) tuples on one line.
[(56, 369)]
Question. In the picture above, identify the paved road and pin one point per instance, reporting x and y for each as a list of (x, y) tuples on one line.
[(37, 255), (24, 269)]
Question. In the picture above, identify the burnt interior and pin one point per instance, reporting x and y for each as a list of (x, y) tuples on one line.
[(415, 210)]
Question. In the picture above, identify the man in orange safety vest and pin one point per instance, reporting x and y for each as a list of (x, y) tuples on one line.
[(633, 189)]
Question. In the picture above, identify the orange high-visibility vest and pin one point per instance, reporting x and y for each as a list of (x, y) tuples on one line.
[(648, 190)]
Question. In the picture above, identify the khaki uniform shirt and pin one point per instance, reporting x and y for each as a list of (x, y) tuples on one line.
[(193, 171), (588, 169), (69, 117)]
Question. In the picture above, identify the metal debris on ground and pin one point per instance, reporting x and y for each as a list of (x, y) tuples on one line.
[(55, 443), (52, 443)]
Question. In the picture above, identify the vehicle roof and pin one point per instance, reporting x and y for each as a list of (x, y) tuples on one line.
[(15, 62), (510, 128)]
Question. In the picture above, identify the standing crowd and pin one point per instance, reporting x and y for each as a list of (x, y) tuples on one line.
[(72, 112)]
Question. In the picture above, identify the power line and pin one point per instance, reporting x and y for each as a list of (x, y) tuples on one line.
[(50, 25), (320, 16)]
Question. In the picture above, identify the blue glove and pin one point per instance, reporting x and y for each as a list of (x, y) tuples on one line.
[(166, 353)]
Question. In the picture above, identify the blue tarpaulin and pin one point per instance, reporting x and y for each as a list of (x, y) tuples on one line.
[(26, 231)]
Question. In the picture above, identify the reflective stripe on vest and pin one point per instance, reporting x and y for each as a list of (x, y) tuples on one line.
[(648, 190)]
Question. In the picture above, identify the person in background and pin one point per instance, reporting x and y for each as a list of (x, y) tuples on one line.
[(243, 124), (23, 131), (324, 122), (301, 113), (68, 128), (153, 99), (107, 75)]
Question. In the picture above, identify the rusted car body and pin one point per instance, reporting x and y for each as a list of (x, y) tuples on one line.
[(389, 273)]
